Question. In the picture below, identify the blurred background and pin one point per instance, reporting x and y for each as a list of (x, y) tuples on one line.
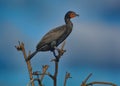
[(92, 47)]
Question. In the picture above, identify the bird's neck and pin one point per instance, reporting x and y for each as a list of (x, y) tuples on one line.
[(69, 24)]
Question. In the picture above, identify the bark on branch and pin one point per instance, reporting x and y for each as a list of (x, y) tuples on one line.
[(61, 51), (44, 69), (105, 83), (67, 76), (21, 48), (84, 83)]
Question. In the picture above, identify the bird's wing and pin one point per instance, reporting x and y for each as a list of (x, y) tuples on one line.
[(52, 35)]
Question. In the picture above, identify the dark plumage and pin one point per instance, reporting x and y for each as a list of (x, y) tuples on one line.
[(55, 36)]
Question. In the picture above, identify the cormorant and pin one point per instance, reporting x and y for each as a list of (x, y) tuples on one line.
[(55, 36)]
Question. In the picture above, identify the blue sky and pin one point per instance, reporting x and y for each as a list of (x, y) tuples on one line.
[(93, 46)]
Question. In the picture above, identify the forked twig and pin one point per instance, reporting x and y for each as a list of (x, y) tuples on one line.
[(60, 53), (44, 69), (67, 76), (105, 83), (21, 48), (84, 83)]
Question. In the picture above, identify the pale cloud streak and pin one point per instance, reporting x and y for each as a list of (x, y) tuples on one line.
[(95, 43)]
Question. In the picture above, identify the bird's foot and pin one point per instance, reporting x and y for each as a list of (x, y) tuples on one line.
[(56, 57), (56, 48)]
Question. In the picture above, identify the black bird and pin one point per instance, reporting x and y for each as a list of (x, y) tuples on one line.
[(55, 36)]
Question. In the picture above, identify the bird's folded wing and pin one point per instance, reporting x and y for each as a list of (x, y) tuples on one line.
[(52, 35)]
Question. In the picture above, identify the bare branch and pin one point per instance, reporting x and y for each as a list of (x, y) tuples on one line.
[(36, 73), (107, 83), (96, 82), (85, 81), (21, 48), (44, 69), (36, 79), (39, 81), (50, 75), (63, 44), (87, 78), (56, 60), (60, 53), (67, 76)]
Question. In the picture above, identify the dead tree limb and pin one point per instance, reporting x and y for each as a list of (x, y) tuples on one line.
[(105, 83), (84, 83), (37, 73), (56, 60), (67, 76), (60, 53), (21, 48), (44, 69)]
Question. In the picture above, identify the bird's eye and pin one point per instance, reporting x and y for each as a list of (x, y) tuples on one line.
[(72, 15)]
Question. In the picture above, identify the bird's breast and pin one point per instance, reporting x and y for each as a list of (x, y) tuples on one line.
[(64, 36)]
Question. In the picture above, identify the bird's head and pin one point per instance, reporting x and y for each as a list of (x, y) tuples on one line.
[(70, 14)]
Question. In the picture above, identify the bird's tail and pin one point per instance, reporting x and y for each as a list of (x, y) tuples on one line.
[(30, 56)]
